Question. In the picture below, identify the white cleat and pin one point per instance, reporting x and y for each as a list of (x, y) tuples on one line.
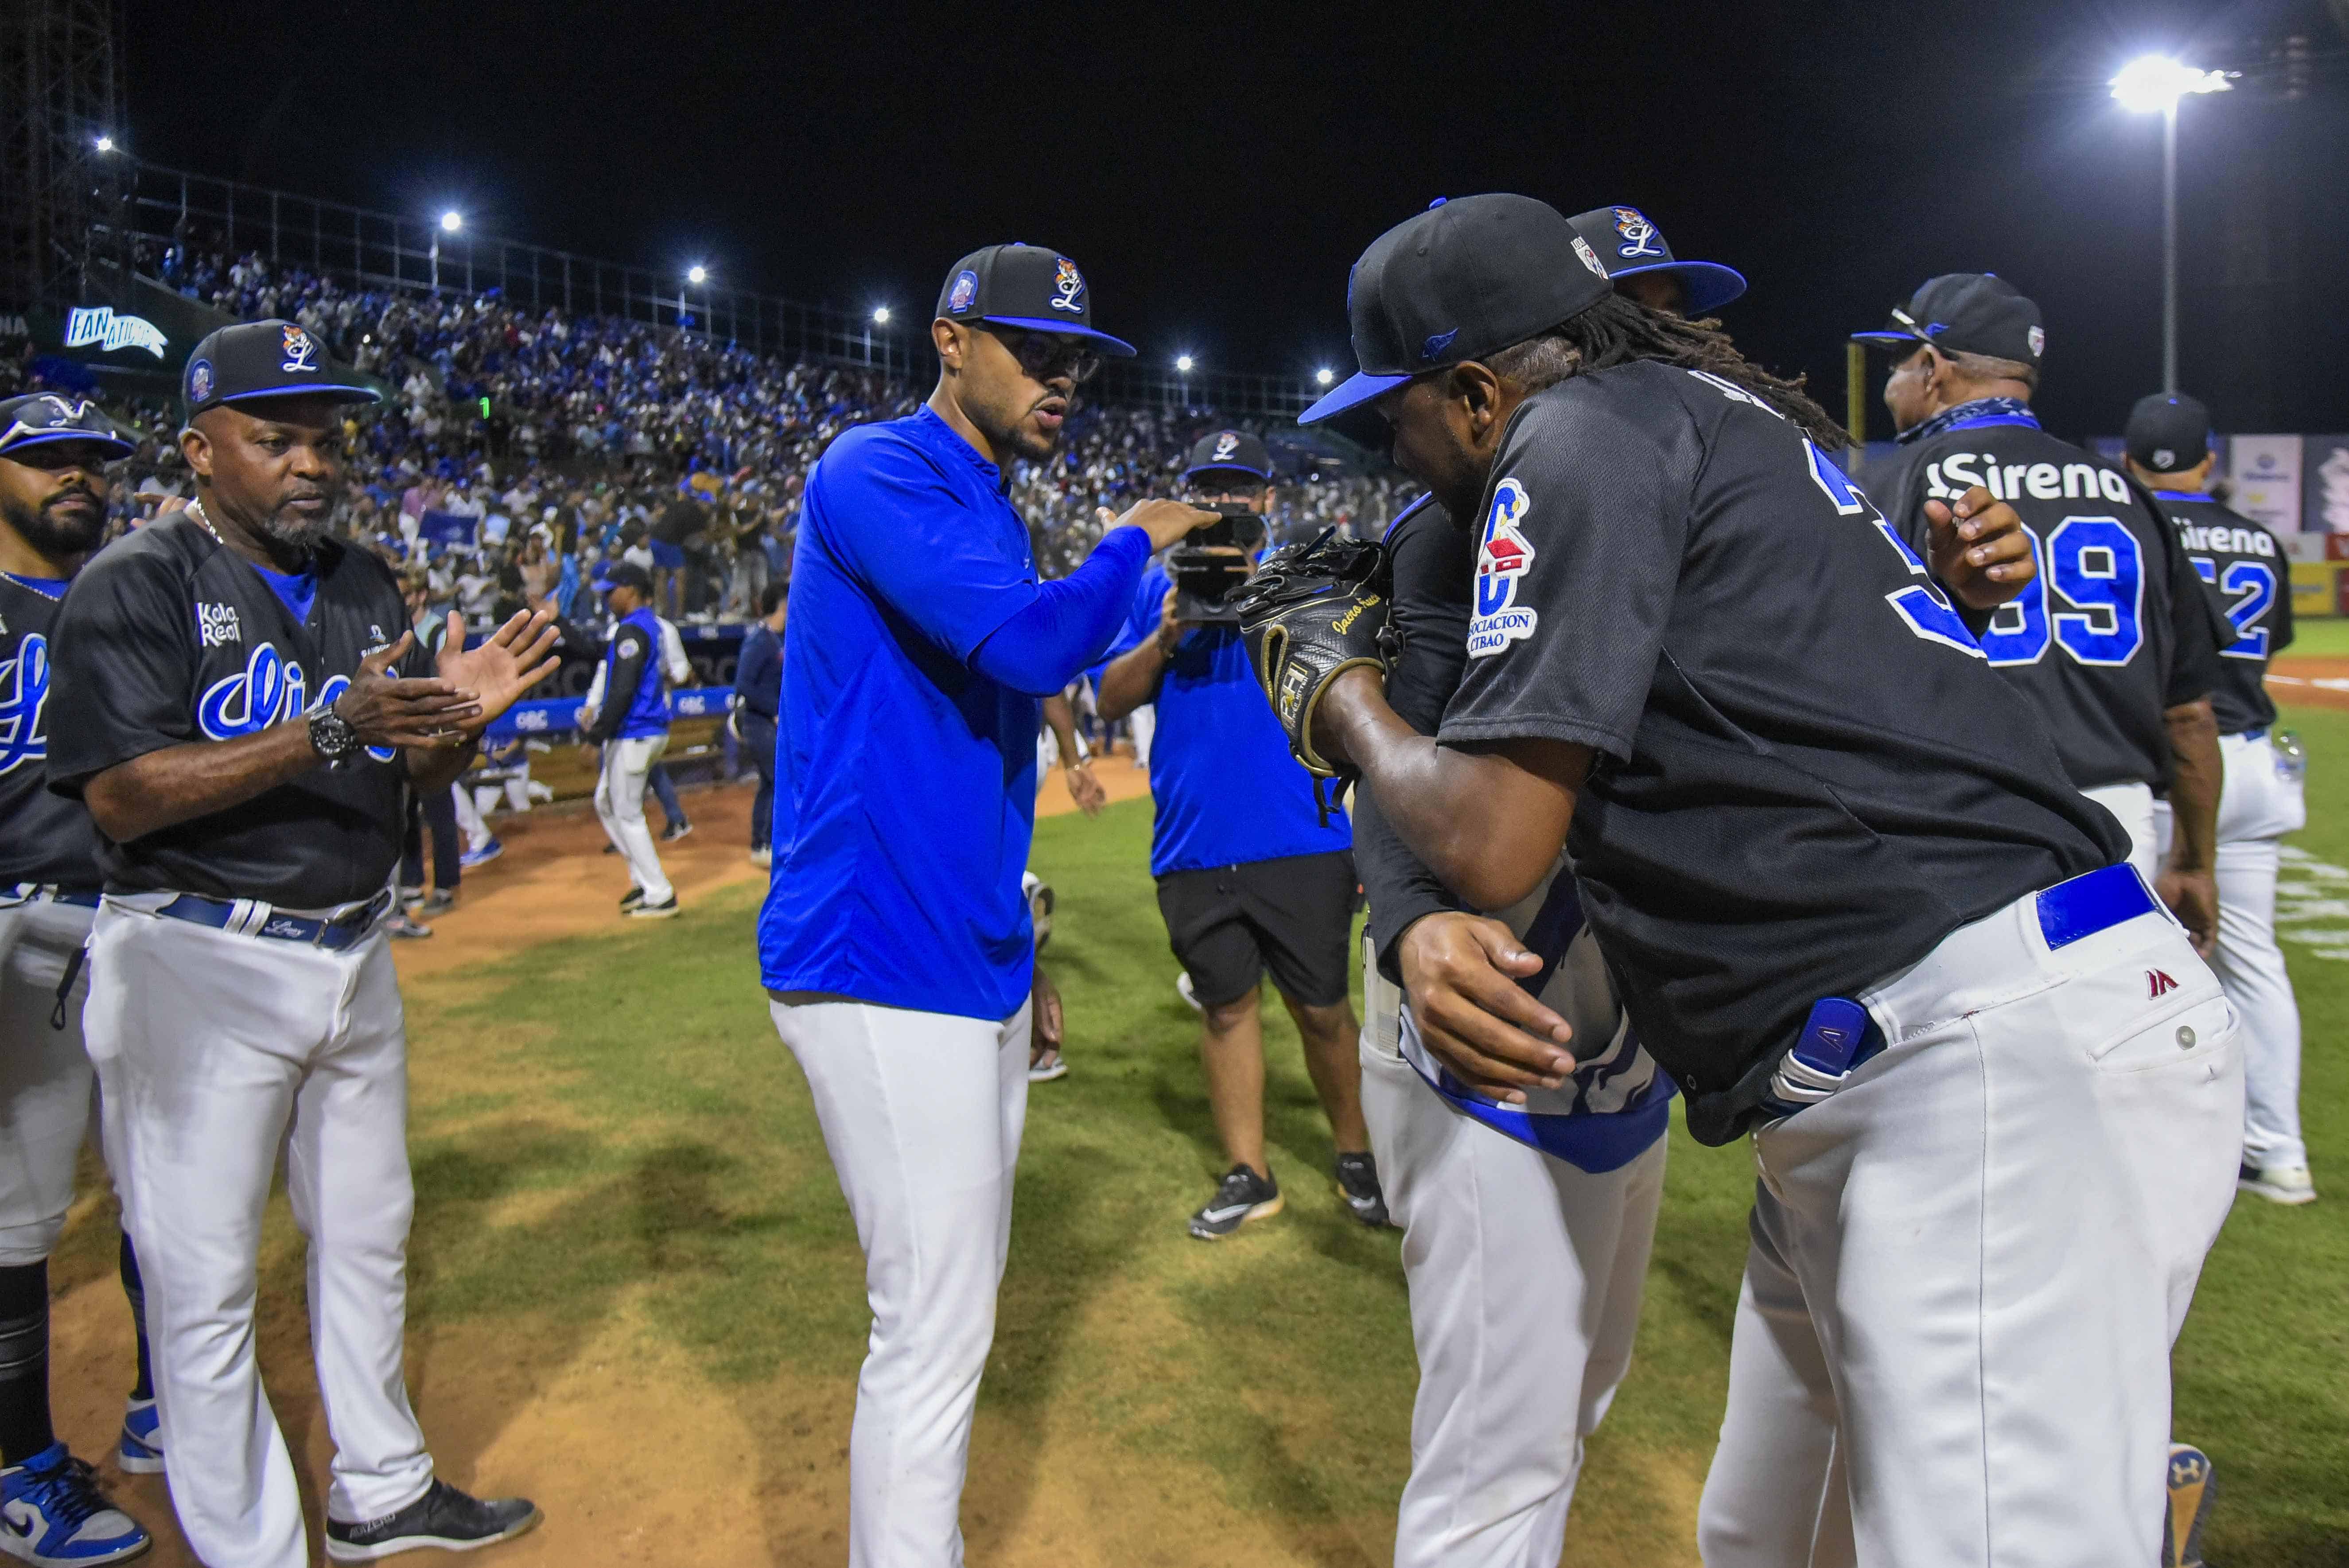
[(2278, 1183)]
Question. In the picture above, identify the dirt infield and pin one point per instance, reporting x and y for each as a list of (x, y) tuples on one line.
[(2315, 682)]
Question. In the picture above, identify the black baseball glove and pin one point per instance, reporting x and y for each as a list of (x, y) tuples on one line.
[(1310, 613)]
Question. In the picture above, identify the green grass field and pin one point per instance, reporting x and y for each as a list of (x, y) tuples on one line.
[(682, 1162), (2321, 638)]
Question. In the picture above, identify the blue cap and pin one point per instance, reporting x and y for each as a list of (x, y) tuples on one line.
[(1630, 244), (43, 418)]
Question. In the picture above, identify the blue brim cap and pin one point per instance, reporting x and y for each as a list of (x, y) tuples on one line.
[(43, 418), (1708, 285), (1117, 346), (1350, 393), (114, 444)]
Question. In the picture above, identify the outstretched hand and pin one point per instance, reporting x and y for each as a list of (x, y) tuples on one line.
[(507, 663), (1978, 548), (388, 710)]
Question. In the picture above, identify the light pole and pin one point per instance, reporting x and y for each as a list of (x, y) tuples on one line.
[(2155, 82), (450, 221), (880, 318), (696, 275)]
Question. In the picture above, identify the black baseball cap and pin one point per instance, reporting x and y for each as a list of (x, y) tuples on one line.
[(1629, 244), (623, 575), (1230, 451), (265, 359), (1025, 286), (2168, 432), (1465, 278), (43, 418), (1967, 313)]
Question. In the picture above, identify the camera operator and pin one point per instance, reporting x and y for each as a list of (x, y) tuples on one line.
[(1251, 875)]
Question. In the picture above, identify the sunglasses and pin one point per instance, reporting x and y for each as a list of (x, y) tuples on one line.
[(1043, 357)]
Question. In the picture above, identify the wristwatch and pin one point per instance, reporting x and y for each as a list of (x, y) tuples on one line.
[(332, 736)]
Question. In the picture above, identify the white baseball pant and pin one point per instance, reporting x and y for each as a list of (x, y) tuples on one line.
[(1144, 722), (2263, 800), (1525, 1277), (216, 1052), (921, 1113), (47, 1091), (2133, 803), (470, 821), (1968, 1263), (620, 806)]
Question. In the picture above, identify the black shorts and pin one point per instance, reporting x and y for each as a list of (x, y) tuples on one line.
[(1293, 916)]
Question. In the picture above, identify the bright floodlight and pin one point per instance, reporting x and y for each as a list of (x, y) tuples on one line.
[(1322, 377), (880, 316), (106, 144), (1183, 363), (697, 274), (2155, 83), (451, 220)]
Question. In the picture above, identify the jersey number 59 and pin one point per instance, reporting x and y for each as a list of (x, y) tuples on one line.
[(2089, 598)]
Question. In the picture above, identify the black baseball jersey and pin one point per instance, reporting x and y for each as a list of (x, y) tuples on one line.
[(42, 838), (167, 638), (1429, 608), (1806, 775), (2115, 631), (2249, 578)]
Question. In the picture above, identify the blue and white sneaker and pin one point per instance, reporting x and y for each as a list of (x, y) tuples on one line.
[(140, 1451), (52, 1514), (488, 852)]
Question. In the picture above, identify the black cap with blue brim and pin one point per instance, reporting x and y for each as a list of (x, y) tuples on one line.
[(1966, 313), (1630, 244), (1025, 286), (1230, 451), (257, 359), (1465, 278), (45, 419)]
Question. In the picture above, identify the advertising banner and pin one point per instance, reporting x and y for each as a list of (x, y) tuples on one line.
[(2265, 470), (2325, 495)]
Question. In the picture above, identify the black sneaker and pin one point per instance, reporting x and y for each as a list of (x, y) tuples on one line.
[(1242, 1196), (443, 1517), (675, 831), (1358, 1184), (645, 909), (631, 898)]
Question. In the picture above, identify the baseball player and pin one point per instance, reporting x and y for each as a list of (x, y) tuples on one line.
[(631, 727), (895, 942), (1525, 1234), (758, 689), (2244, 569), (677, 669), (2115, 644), (52, 491), (1848, 895), (1252, 875), (237, 696)]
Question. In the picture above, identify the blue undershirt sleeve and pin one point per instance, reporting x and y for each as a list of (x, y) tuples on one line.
[(1051, 640)]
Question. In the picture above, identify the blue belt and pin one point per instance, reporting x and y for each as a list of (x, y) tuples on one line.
[(2258, 734), (2070, 911), (81, 897), (238, 915)]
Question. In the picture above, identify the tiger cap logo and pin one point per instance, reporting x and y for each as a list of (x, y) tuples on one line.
[(301, 349), (1638, 234), (1068, 288)]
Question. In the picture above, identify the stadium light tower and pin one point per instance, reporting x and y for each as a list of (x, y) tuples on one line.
[(1324, 375), (880, 316), (2154, 83), (104, 144), (1183, 363), (451, 221)]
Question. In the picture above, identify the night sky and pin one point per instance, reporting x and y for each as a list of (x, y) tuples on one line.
[(1216, 176)]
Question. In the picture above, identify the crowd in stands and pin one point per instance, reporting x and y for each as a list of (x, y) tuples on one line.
[(558, 441)]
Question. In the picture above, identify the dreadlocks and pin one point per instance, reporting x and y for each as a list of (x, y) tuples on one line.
[(1617, 330)]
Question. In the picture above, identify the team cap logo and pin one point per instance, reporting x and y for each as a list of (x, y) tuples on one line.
[(2037, 338), (1590, 257), (301, 349), (1225, 445), (1068, 288), (200, 381), (1638, 234), (965, 290)]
